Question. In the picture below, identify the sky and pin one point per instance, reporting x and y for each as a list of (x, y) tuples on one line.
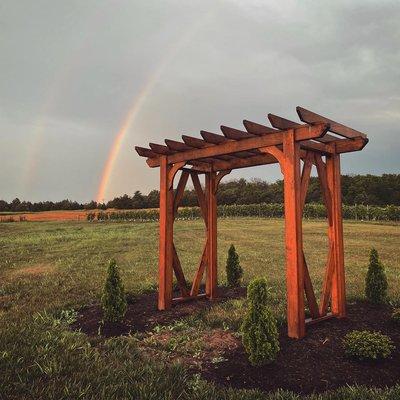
[(83, 82)]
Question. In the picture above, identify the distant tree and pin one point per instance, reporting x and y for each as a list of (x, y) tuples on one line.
[(15, 204), (138, 200), (153, 199)]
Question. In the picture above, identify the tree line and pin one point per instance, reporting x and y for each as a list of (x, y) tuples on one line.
[(356, 189)]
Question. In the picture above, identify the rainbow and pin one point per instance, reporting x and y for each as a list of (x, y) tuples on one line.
[(138, 103), (55, 88)]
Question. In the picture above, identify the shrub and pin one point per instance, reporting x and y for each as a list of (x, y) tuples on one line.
[(396, 315), (375, 282), (113, 300), (259, 328), (234, 271), (367, 345)]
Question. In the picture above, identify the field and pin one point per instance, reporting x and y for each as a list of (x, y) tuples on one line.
[(50, 270), (58, 215)]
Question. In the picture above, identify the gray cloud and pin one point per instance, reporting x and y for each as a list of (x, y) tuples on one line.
[(72, 70)]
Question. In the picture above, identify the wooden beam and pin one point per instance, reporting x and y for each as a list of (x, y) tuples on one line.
[(143, 152), (257, 129), (283, 123), (305, 177), (293, 237), (349, 145), (338, 281), (326, 194), (302, 133), (180, 277), (180, 189), (200, 143), (199, 273), (200, 196), (161, 149), (165, 238), (218, 139), (308, 286), (219, 176), (211, 277), (312, 118), (176, 146), (235, 134), (327, 284), (309, 290)]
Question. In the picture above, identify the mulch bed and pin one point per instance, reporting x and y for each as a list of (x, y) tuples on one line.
[(142, 314), (314, 364)]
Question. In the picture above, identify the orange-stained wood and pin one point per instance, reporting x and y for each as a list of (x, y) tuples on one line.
[(305, 177), (219, 177), (180, 190), (166, 235), (293, 237), (200, 271), (327, 284), (326, 194), (309, 290), (301, 133), (211, 277), (180, 277), (313, 118), (215, 156), (308, 286), (200, 196), (338, 282)]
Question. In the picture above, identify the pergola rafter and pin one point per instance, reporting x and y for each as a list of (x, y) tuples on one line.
[(297, 147)]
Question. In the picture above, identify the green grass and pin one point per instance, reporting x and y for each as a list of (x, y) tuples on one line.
[(49, 267)]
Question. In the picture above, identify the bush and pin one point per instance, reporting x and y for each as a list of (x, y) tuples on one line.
[(259, 328), (367, 345), (113, 300), (234, 271), (396, 315), (375, 282)]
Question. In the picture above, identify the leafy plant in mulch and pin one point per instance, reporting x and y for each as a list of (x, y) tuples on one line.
[(113, 300), (376, 284), (259, 329), (234, 271), (367, 345)]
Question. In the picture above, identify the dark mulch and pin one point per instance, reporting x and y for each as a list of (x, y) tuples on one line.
[(142, 314), (316, 363)]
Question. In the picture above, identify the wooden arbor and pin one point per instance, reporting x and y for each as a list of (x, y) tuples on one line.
[(288, 143)]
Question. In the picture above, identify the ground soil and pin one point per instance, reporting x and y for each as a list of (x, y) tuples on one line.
[(142, 314), (314, 364)]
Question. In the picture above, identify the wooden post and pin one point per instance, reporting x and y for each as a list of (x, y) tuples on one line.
[(166, 237), (293, 237), (211, 272), (338, 299)]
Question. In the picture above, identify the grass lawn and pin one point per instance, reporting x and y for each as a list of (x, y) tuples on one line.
[(48, 269)]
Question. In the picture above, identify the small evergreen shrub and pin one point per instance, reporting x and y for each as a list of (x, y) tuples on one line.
[(376, 282), (113, 300), (234, 271), (367, 345), (396, 315), (259, 329)]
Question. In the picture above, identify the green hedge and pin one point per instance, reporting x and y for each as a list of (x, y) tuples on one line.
[(264, 210)]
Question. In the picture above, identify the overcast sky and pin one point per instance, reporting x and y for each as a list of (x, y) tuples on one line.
[(72, 71)]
